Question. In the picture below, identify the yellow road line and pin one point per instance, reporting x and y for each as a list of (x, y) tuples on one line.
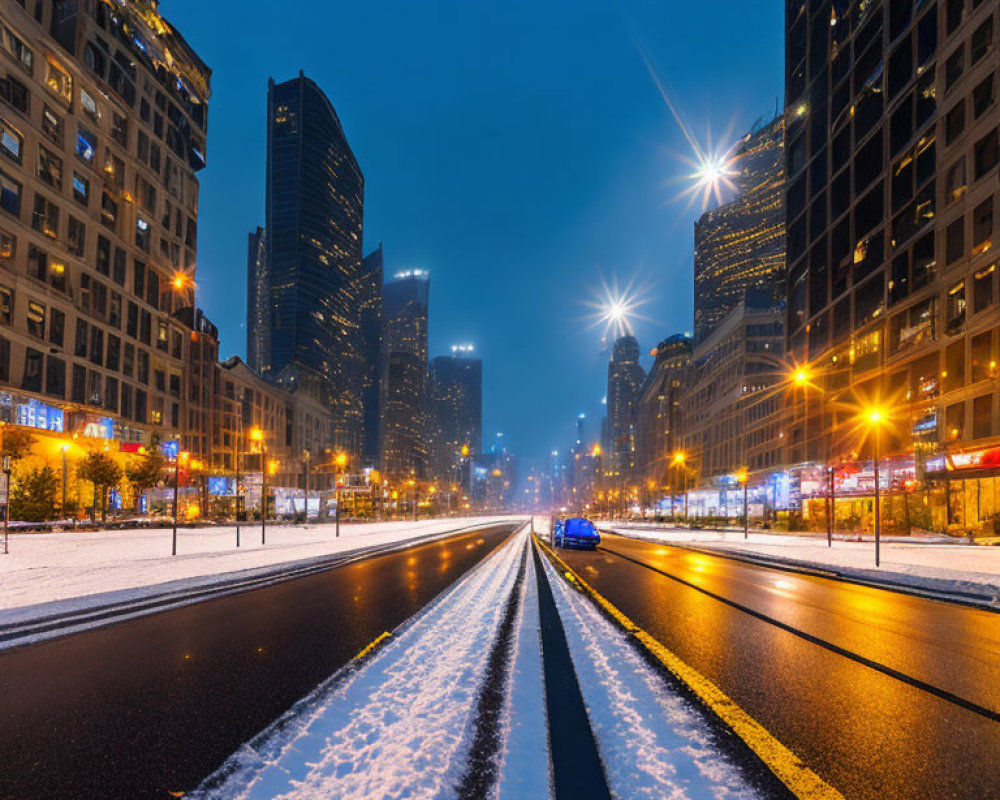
[(786, 766), (381, 638)]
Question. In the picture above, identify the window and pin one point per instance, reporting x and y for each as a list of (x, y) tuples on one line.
[(114, 352), (954, 67), (111, 394), (982, 41), (76, 237), (89, 106), (145, 327), (954, 182), (58, 80), (955, 241), (55, 377), (162, 336), (14, 92), (115, 310), (8, 244), (139, 279), (11, 141), (10, 194), (982, 97), (160, 380), (153, 288), (982, 417), (126, 409), (50, 168), (985, 154), (119, 129), (86, 145), (128, 362), (984, 366), (953, 374), (79, 390), (118, 271), (57, 326), (114, 167), (52, 125), (982, 288), (982, 227), (36, 319), (953, 15), (32, 380), (6, 305), (94, 388), (132, 321), (81, 188), (954, 123), (955, 309), (142, 234), (96, 345), (46, 216), (85, 293), (109, 210), (57, 275), (142, 366), (18, 49)]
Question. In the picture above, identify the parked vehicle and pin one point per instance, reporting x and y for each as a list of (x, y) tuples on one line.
[(577, 532)]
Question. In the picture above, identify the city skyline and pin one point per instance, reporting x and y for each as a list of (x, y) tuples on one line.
[(634, 187)]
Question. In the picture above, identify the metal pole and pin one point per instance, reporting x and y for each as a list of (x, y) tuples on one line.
[(878, 526), (831, 473), (337, 512), (263, 497), (177, 478), (746, 511), (6, 508), (236, 465), (829, 507), (63, 482)]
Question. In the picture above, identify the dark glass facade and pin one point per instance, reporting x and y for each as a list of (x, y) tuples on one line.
[(403, 437), (370, 305), (455, 390), (741, 245), (315, 193), (625, 379), (258, 318)]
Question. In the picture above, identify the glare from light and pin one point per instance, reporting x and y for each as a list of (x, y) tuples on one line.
[(617, 309)]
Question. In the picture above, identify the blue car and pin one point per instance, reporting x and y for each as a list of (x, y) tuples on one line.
[(577, 532)]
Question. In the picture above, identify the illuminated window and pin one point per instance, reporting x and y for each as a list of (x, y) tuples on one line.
[(81, 188), (36, 319), (89, 105), (46, 216), (11, 141), (52, 125), (86, 145), (50, 168), (6, 304), (59, 80), (8, 244), (10, 194)]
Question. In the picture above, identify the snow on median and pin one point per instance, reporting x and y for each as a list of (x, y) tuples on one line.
[(653, 744), (399, 726)]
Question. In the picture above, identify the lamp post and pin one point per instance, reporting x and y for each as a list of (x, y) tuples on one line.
[(257, 435), (6, 505), (875, 417), (743, 477), (181, 457), (236, 464), (64, 449), (831, 474), (679, 463)]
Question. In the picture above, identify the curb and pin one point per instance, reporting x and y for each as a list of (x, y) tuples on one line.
[(798, 778)]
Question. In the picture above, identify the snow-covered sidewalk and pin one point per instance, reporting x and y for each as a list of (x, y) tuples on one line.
[(401, 724), (46, 567), (934, 566)]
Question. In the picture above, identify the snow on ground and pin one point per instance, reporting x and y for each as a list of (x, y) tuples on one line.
[(524, 766), (925, 564), (653, 744), (400, 726), (46, 567)]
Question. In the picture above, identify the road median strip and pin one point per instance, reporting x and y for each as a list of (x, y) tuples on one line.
[(800, 780)]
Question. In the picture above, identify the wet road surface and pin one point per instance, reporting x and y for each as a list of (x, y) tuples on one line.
[(882, 694), (147, 707)]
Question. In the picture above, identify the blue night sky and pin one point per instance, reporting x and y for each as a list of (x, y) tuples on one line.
[(518, 150)]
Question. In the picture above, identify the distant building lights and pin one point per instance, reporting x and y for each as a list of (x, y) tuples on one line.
[(411, 273), (462, 348)]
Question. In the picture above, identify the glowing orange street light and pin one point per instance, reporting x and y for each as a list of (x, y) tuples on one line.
[(256, 434), (341, 459), (465, 451), (595, 451), (875, 417)]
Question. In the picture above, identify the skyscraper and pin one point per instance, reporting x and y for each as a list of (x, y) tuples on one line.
[(258, 307), (741, 245), (314, 208), (625, 378), (455, 409), (658, 412), (370, 305), (404, 330), (892, 184)]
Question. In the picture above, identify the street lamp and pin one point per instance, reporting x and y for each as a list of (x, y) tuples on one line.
[(180, 458), (64, 449), (875, 418), (257, 435), (340, 460), (743, 477), (802, 377), (680, 462)]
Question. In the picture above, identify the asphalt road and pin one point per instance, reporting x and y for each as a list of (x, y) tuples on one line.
[(884, 695), (151, 706)]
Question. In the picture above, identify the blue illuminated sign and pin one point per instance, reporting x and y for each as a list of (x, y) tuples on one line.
[(219, 485), (35, 414), (169, 449)]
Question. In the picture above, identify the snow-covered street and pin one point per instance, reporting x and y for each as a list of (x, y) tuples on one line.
[(403, 723)]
